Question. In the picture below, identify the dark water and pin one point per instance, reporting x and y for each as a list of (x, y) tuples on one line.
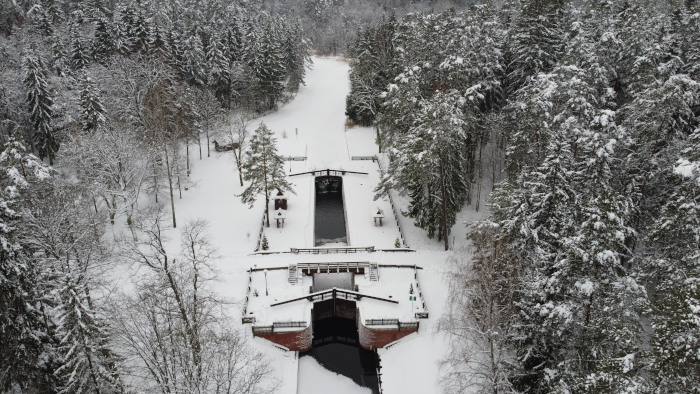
[(336, 347), (330, 216)]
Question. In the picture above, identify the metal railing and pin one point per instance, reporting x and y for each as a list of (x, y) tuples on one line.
[(333, 250), (393, 208)]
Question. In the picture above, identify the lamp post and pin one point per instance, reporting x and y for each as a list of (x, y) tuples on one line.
[(266, 293)]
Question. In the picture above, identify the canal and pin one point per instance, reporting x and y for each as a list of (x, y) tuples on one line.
[(330, 213)]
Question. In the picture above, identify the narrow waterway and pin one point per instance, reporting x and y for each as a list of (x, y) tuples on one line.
[(330, 212), (336, 347)]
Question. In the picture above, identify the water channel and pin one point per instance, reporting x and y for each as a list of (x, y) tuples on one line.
[(330, 212)]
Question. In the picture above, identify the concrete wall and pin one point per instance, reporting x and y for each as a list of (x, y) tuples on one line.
[(293, 340)]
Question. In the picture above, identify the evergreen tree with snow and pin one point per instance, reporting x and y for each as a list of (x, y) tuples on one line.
[(103, 44), (219, 71), (92, 110), (269, 69), (79, 53), (27, 344), (673, 266), (87, 364), (427, 164), (40, 103), (264, 169)]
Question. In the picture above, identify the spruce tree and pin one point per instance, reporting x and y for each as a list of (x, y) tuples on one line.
[(263, 168), (40, 103), (92, 110), (87, 364), (28, 340)]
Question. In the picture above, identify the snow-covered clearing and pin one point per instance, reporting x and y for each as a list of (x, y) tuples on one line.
[(314, 127)]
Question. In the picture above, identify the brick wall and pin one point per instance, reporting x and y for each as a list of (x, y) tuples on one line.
[(293, 340), (375, 337)]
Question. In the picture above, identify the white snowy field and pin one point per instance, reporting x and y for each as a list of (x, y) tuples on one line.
[(317, 112)]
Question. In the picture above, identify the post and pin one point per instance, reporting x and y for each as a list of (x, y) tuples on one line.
[(266, 292)]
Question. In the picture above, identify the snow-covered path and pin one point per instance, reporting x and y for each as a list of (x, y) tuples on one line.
[(318, 113)]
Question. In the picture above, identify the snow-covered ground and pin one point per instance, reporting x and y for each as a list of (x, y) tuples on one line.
[(313, 123)]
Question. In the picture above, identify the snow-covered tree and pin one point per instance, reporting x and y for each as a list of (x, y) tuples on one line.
[(40, 103), (263, 168), (427, 164), (28, 334), (93, 112)]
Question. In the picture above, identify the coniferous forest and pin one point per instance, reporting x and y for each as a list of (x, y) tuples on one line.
[(575, 124), (581, 119), (121, 95)]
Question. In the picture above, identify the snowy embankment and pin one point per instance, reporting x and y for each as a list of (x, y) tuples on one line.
[(312, 126)]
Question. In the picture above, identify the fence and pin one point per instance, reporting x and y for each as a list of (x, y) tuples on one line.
[(356, 267), (263, 330), (393, 208), (381, 322), (289, 324), (245, 318), (260, 234), (424, 314), (332, 250)]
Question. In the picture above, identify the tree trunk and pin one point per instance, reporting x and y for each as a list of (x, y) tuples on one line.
[(170, 184), (444, 207), (480, 176), (206, 129), (267, 195), (238, 154), (187, 155), (199, 143)]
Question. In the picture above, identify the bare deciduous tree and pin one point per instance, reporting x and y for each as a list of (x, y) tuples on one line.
[(174, 331), (477, 322), (236, 136)]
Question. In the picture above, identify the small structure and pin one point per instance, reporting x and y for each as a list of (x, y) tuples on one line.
[(280, 200), (378, 217), (279, 216), (225, 147)]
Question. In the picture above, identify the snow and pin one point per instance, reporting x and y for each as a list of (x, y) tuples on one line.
[(325, 381), (317, 112), (685, 168)]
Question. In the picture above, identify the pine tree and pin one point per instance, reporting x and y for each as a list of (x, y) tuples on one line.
[(28, 339), (87, 365), (427, 164), (536, 41), (103, 45), (674, 268), (40, 103), (219, 72), (93, 112), (269, 69), (79, 54), (264, 169)]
